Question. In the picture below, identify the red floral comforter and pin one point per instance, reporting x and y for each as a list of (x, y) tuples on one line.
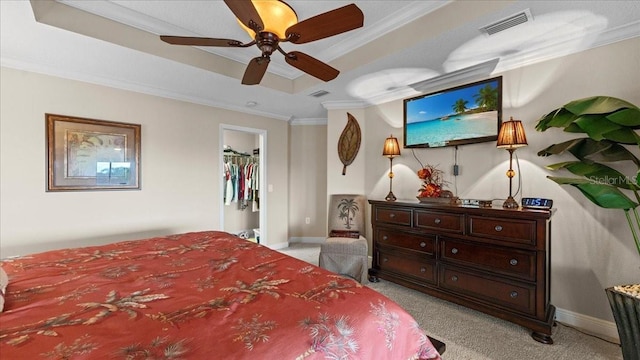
[(205, 295)]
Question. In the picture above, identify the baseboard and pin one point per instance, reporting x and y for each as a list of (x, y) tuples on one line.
[(307, 240), (606, 330), (278, 246)]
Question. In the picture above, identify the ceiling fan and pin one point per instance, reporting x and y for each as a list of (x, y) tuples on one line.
[(271, 22)]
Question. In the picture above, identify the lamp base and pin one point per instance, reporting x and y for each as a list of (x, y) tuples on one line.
[(510, 203), (390, 197)]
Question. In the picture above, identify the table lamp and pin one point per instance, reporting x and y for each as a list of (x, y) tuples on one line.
[(511, 137), (391, 149)]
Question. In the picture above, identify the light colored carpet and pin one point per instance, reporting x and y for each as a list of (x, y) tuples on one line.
[(471, 335)]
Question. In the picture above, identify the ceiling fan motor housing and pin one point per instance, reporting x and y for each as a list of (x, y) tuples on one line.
[(267, 42)]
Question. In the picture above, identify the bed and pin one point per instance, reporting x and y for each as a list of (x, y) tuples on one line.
[(199, 295)]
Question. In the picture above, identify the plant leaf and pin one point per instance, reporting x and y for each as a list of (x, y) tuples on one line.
[(596, 125), (626, 117), (557, 149), (622, 135), (596, 173), (605, 196), (589, 150), (573, 128), (601, 111), (558, 118), (597, 105)]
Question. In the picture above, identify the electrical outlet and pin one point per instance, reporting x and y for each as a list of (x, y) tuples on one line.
[(307, 220)]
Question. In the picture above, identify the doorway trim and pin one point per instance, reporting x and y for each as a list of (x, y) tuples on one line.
[(262, 145)]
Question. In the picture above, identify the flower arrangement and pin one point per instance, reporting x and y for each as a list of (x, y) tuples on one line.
[(432, 181)]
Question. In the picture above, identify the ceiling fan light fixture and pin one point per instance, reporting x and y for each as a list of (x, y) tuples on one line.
[(277, 16)]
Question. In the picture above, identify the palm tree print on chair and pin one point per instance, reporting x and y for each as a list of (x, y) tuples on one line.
[(348, 209)]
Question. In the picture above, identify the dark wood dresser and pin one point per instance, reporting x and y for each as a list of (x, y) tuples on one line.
[(492, 260)]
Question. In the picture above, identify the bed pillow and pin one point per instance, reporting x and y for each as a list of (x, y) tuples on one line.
[(4, 281)]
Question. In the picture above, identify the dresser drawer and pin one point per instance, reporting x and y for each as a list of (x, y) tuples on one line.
[(440, 221), (423, 243), (509, 294), (518, 263), (420, 269), (393, 216), (516, 231)]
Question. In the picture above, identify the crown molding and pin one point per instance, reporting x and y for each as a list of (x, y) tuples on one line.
[(309, 121), (130, 86)]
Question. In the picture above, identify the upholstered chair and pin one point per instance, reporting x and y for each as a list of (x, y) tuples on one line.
[(345, 250)]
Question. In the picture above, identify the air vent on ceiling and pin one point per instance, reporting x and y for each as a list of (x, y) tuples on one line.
[(319, 93), (507, 23)]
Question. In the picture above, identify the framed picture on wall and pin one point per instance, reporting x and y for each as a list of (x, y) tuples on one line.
[(88, 154)]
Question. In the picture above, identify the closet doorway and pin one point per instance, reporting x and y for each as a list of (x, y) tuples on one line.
[(243, 192)]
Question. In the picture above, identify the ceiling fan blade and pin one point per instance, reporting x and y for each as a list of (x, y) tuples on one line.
[(327, 24), (311, 66), (199, 41), (246, 13), (255, 70)]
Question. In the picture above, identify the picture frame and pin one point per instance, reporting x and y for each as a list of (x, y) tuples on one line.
[(87, 154)]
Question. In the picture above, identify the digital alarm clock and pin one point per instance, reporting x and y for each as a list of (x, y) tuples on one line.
[(537, 203)]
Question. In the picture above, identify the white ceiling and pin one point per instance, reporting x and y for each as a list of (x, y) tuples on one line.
[(401, 43)]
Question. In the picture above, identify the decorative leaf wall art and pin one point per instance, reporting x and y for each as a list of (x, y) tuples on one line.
[(349, 142)]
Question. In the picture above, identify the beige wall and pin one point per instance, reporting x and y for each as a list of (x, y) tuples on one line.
[(592, 247), (180, 155), (308, 182)]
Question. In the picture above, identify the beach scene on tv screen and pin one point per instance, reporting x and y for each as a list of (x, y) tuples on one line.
[(462, 114)]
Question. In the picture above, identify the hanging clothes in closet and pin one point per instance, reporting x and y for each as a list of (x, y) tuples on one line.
[(241, 181)]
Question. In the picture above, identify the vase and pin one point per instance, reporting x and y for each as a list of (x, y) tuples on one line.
[(626, 312), (434, 200)]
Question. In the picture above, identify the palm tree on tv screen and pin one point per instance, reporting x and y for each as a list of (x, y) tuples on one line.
[(487, 98), (460, 106)]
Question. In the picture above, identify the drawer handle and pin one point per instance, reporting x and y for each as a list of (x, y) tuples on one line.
[(437, 221), (385, 237), (513, 262), (498, 228), (454, 250), (514, 294), (392, 215), (385, 260), (423, 244), (423, 270), (454, 278)]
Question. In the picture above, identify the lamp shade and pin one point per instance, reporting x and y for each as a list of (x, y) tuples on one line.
[(277, 16), (511, 135), (391, 147)]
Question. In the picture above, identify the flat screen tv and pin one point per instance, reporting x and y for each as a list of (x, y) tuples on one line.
[(466, 114)]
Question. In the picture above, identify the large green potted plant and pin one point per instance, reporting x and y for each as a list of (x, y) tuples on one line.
[(610, 125)]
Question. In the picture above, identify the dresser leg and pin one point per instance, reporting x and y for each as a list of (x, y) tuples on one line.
[(543, 338)]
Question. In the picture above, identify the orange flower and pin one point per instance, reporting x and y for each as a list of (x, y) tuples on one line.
[(432, 181)]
